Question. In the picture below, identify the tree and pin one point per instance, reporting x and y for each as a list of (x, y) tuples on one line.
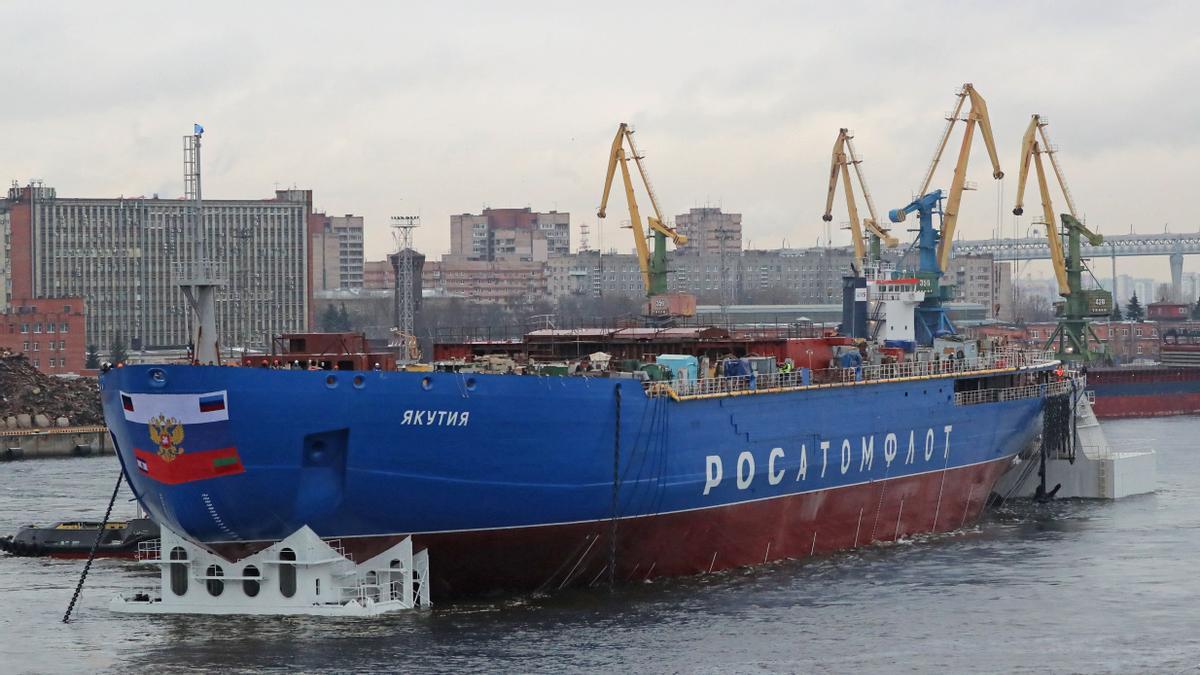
[(1033, 307), (117, 350), (1134, 310), (1196, 310), (343, 319), (93, 357), (1116, 313), (329, 319)]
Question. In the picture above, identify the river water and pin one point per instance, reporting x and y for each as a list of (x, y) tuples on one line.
[(1069, 587)]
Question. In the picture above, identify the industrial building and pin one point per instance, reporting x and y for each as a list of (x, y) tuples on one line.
[(121, 256)]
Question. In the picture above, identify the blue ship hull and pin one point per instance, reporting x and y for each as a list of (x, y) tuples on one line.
[(522, 481)]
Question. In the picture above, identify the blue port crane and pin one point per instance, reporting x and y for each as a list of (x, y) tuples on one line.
[(934, 244), (931, 319)]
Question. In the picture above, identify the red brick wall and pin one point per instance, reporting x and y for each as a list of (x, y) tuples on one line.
[(21, 261), (35, 328), (510, 219)]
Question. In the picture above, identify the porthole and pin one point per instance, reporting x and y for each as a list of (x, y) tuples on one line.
[(331, 381), (359, 381), (470, 384), (427, 383), (158, 377)]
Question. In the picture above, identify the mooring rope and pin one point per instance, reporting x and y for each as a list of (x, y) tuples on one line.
[(612, 536), (92, 555)]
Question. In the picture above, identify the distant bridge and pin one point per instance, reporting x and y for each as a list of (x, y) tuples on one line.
[(1035, 248)]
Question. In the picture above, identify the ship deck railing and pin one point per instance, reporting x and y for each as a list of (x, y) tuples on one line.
[(729, 385), (981, 396)]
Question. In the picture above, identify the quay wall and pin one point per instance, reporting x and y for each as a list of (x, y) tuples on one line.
[(57, 442)]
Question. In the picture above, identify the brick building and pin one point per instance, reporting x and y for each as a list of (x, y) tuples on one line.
[(50, 332), (379, 275), (1125, 340), (502, 282)]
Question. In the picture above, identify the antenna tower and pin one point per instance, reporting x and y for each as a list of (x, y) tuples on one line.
[(199, 276), (405, 302), (727, 289)]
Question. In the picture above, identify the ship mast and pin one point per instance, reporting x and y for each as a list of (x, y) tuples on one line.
[(196, 273)]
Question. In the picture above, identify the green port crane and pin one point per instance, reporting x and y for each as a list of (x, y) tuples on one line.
[(653, 263), (844, 157), (1073, 338)]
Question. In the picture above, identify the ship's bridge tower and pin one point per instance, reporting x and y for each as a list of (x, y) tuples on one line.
[(900, 299)]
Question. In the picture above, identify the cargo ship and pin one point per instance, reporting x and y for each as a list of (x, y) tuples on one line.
[(708, 450), (1170, 388)]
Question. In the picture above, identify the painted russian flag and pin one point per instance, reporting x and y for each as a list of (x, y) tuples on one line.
[(187, 409), (212, 403)]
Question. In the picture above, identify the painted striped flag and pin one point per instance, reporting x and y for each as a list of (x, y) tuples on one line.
[(187, 409), (142, 466), (190, 466), (212, 403)]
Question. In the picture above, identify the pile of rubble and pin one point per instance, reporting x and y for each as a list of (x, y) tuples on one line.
[(30, 398)]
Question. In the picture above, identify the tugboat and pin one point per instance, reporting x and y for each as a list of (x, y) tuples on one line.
[(75, 539)]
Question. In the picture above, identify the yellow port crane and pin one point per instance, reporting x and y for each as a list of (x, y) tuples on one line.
[(1073, 338), (1032, 150), (845, 156), (653, 263), (977, 116)]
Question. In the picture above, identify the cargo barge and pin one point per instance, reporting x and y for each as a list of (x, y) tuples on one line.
[(1170, 388)]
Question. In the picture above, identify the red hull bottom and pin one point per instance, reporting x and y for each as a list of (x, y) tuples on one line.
[(1162, 405), (552, 557)]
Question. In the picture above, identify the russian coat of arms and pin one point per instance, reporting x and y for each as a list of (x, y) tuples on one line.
[(167, 432)]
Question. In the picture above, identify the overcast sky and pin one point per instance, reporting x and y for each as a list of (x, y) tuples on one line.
[(389, 108)]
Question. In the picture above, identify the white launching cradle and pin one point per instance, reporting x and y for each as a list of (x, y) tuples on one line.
[(301, 574), (1097, 471)]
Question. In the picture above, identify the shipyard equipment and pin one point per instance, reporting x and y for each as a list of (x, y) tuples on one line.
[(934, 245), (977, 116), (653, 262), (1073, 338), (931, 319), (844, 157)]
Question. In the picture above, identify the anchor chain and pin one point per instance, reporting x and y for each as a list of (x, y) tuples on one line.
[(92, 555)]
